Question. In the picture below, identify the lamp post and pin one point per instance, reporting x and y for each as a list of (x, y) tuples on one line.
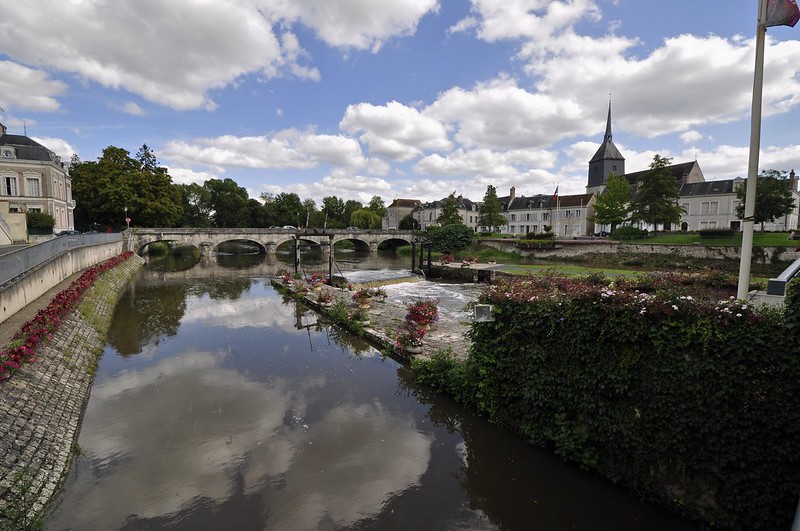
[(127, 219)]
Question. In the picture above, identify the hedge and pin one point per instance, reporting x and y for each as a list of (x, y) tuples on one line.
[(693, 403)]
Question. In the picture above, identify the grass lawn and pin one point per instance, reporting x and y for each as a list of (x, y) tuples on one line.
[(760, 239), (524, 269)]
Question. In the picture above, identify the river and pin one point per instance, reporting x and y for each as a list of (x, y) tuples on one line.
[(220, 405)]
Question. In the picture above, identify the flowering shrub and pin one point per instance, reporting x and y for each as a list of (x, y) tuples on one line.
[(409, 336), (367, 293), (446, 259), (24, 343), (423, 312), (316, 278), (324, 297), (690, 400)]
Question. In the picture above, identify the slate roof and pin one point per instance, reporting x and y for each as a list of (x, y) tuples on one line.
[(707, 188), (405, 203), (526, 203), (27, 148), (677, 170), (578, 200), (607, 150)]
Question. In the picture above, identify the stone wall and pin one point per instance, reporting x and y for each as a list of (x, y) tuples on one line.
[(41, 279), (41, 405)]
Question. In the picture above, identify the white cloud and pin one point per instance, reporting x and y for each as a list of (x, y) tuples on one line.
[(394, 130), (187, 176), (691, 136), (499, 114), (290, 148), (59, 146), (537, 20), (25, 88), (133, 108), (361, 24)]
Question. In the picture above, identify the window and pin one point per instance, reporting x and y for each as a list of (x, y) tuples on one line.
[(708, 225), (577, 213), (536, 228), (513, 217), (9, 186), (545, 216), (614, 167), (709, 208), (32, 188), (685, 207), (527, 217)]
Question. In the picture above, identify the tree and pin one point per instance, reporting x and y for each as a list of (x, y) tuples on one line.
[(116, 183), (408, 223), (350, 206), (196, 202), (773, 197), (450, 238), (450, 214), (377, 205), (228, 203), (364, 218), (657, 199), (491, 210), (611, 207)]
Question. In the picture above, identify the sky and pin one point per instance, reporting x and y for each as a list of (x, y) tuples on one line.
[(400, 99)]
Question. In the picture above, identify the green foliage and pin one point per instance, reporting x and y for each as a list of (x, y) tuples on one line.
[(626, 232), (104, 189), (364, 218), (612, 206), (40, 220), (715, 234), (656, 201), (449, 215), (491, 210), (773, 197), (409, 223), (545, 243), (450, 238), (690, 402)]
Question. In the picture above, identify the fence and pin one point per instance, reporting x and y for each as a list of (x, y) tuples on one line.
[(17, 262)]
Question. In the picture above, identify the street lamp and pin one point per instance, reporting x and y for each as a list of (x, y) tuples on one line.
[(127, 219)]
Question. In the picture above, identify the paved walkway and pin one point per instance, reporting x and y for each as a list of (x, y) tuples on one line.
[(42, 403)]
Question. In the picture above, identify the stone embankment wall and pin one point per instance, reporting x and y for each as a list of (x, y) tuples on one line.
[(568, 248), (33, 284), (41, 405)]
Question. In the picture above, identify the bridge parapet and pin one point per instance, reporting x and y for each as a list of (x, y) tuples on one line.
[(206, 239)]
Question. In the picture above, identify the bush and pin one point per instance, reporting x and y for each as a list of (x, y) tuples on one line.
[(626, 232), (716, 234), (539, 236), (535, 244), (690, 402), (41, 221), (450, 238)]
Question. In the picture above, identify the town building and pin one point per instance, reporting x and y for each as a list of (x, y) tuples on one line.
[(426, 214), (395, 212), (32, 179)]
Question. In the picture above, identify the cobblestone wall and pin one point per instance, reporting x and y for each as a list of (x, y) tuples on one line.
[(41, 405)]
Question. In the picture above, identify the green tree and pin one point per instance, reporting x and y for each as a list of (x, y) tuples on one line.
[(377, 205), (450, 238), (491, 210), (773, 197), (333, 209), (657, 199), (450, 214), (612, 206), (105, 189), (408, 223), (227, 202), (365, 218), (350, 206), (196, 202)]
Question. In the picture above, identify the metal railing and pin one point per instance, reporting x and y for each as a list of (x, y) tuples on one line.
[(777, 286), (17, 262)]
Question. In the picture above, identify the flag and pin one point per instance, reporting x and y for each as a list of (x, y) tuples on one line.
[(782, 13), (555, 194)]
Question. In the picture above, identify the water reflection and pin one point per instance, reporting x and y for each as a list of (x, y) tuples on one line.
[(246, 411)]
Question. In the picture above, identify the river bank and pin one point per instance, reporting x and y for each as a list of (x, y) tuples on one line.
[(41, 405)]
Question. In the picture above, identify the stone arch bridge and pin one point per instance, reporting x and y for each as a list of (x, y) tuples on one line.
[(267, 240)]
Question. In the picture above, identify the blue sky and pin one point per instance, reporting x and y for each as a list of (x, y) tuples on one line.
[(408, 98)]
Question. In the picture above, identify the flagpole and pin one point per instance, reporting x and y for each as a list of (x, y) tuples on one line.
[(752, 167)]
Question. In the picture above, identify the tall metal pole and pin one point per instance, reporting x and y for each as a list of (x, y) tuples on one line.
[(752, 167)]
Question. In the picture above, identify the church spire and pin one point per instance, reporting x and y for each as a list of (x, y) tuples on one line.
[(607, 138)]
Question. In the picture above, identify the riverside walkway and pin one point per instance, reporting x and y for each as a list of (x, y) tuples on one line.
[(41, 405)]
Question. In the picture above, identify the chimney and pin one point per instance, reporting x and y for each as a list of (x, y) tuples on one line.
[(2, 129), (513, 193)]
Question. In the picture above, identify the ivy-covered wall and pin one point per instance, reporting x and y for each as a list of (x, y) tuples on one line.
[(691, 402)]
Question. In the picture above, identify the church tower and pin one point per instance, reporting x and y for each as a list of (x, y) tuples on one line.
[(607, 160)]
